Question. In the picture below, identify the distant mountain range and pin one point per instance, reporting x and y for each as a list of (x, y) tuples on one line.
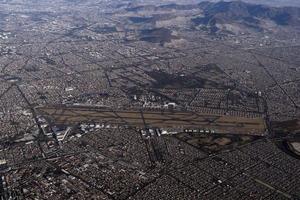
[(224, 17), (248, 15), (239, 10), (274, 3)]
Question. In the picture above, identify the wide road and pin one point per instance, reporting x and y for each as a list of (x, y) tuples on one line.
[(70, 115)]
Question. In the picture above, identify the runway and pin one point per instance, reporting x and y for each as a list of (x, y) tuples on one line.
[(223, 124)]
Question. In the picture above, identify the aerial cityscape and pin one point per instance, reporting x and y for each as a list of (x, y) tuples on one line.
[(149, 99)]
